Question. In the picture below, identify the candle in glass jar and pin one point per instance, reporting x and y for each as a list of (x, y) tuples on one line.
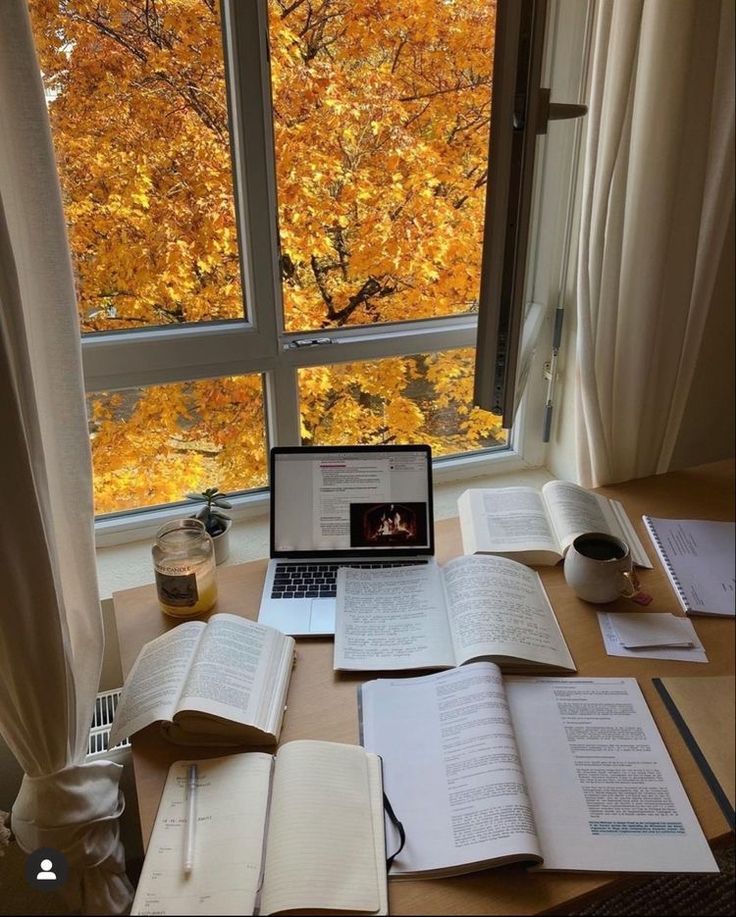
[(184, 562)]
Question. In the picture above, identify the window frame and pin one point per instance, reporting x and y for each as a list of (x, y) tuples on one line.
[(258, 343)]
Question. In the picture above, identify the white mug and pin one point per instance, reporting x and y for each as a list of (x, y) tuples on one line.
[(598, 567)]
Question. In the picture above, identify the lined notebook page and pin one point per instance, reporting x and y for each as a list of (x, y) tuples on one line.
[(321, 849), (232, 796)]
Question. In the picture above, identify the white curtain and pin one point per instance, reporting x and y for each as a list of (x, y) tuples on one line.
[(51, 638), (658, 193)]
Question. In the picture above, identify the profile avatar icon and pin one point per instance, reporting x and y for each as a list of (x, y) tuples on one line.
[(46, 874), (46, 869)]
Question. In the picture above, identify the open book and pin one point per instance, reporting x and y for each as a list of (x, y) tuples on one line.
[(568, 773), (301, 830), (430, 617), (219, 683), (538, 527)]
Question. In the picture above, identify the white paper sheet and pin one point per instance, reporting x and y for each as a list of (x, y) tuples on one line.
[(604, 791), (638, 630), (614, 647)]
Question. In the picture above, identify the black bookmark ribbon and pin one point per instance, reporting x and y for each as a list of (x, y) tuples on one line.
[(399, 828)]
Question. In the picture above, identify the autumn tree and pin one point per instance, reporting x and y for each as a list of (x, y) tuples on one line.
[(381, 114)]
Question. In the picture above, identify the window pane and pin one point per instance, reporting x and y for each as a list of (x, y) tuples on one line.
[(153, 445), (136, 97), (381, 122), (426, 398)]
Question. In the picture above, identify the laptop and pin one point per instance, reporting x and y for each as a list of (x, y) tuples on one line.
[(334, 506)]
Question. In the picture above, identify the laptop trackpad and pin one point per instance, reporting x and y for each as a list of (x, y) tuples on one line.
[(322, 619)]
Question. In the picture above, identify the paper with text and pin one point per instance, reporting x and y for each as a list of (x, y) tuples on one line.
[(391, 618), (152, 688), (614, 646), (497, 607), (216, 683), (232, 797), (337, 484), (503, 520), (538, 527), (699, 558), (649, 629), (448, 738), (603, 788), (429, 617), (232, 658)]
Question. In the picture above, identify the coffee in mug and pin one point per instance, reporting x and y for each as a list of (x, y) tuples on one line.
[(599, 547), (598, 567)]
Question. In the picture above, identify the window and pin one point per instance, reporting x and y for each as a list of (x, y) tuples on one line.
[(276, 213)]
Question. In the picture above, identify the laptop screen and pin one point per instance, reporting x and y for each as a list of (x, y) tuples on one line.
[(351, 500)]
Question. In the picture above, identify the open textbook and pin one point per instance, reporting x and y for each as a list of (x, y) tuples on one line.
[(223, 682), (430, 617), (301, 830), (537, 527), (567, 773)]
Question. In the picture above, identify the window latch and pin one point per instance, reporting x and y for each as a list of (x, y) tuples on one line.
[(299, 343), (556, 111)]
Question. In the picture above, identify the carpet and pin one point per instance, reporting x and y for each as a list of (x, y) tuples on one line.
[(679, 896)]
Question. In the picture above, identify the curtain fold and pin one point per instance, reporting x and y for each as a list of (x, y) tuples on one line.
[(51, 638), (658, 191)]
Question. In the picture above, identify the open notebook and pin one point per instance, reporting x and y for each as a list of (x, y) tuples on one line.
[(299, 830)]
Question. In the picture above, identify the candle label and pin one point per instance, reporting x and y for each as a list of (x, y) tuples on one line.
[(178, 591)]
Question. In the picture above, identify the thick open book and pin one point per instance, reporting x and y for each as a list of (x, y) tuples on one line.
[(301, 830), (430, 617), (567, 773), (537, 527), (219, 683)]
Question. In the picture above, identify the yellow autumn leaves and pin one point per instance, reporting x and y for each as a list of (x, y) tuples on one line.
[(381, 112)]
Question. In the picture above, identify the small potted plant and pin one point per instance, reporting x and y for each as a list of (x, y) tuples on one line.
[(216, 522)]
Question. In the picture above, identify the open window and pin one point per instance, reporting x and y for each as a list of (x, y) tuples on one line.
[(279, 218)]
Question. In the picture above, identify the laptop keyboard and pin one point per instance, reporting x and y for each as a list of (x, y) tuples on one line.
[(299, 581)]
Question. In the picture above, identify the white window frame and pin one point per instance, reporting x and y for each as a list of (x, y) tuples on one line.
[(259, 344)]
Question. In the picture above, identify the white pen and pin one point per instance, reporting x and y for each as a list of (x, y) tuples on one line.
[(191, 819)]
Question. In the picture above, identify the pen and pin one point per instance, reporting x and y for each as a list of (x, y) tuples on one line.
[(191, 819)]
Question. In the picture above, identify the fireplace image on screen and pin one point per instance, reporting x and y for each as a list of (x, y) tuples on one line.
[(373, 525)]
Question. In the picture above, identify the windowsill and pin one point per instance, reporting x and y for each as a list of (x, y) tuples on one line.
[(124, 566)]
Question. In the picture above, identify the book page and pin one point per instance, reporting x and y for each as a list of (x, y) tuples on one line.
[(321, 849), (574, 510), (155, 681), (450, 769), (230, 670), (391, 618), (498, 607), (231, 806), (504, 520), (603, 788)]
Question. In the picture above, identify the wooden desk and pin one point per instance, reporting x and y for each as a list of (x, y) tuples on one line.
[(322, 703)]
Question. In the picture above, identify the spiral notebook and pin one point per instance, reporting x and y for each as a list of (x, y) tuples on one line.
[(698, 557)]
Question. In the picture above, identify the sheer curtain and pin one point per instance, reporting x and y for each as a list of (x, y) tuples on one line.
[(658, 192), (51, 638)]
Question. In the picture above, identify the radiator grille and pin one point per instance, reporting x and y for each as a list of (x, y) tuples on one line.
[(99, 733)]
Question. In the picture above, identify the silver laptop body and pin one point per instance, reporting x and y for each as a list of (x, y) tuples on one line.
[(334, 506)]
